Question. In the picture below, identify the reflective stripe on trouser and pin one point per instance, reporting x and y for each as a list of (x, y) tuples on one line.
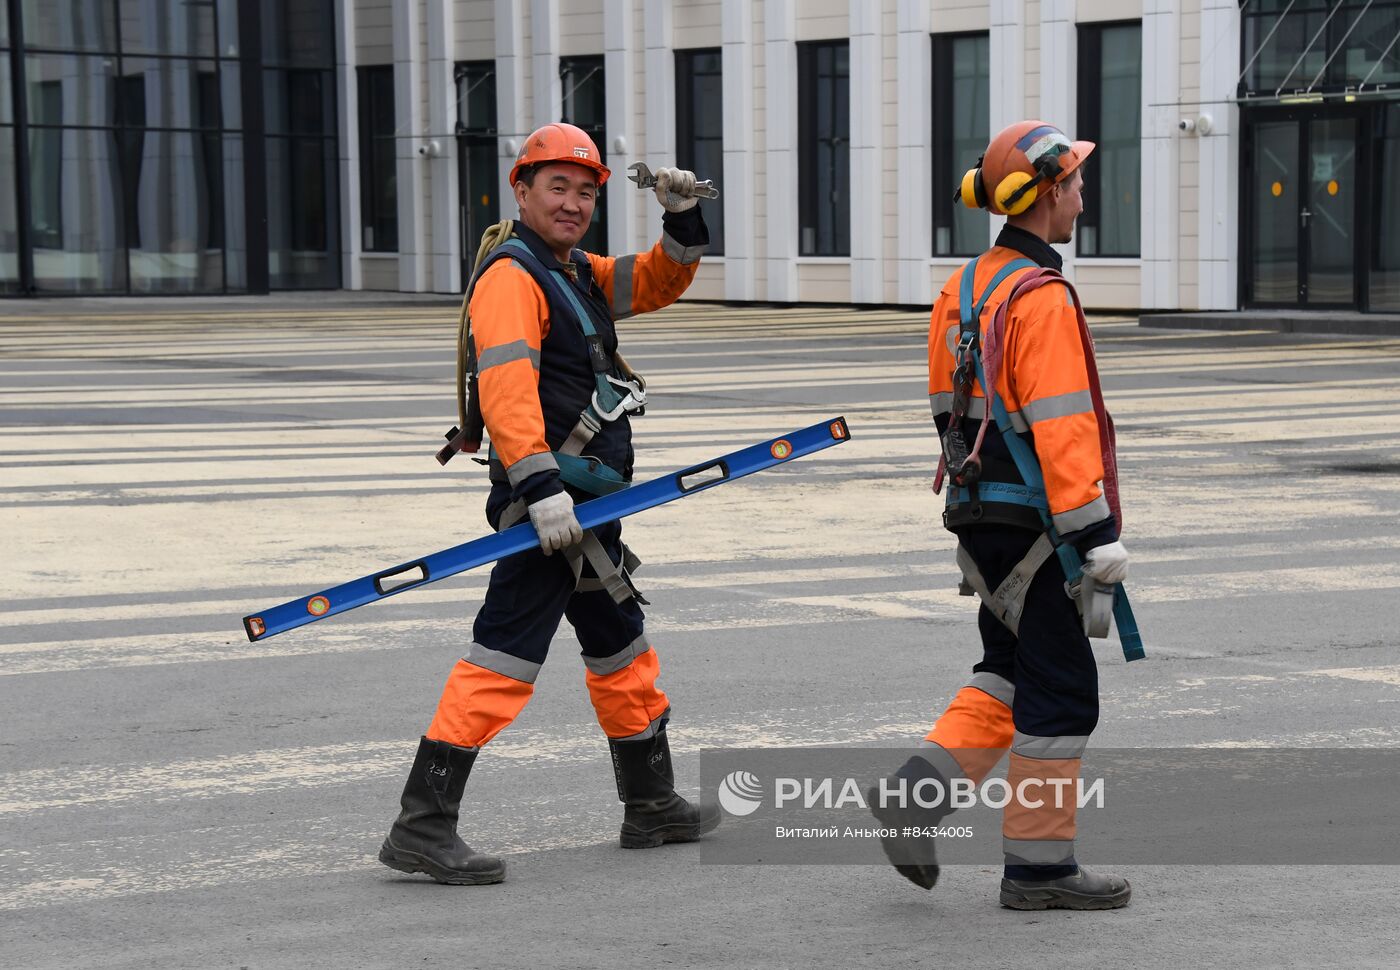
[(1038, 824), (477, 701), (976, 728), (625, 697)]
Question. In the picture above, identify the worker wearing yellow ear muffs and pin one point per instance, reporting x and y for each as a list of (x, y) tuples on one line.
[(1003, 321)]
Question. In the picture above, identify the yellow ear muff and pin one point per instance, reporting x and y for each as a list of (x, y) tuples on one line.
[(968, 193), (1015, 194)]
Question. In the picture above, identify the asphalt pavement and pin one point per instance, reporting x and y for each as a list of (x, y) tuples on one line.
[(172, 795)]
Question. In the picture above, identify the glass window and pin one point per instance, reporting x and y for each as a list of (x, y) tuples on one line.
[(71, 89), (169, 93), (299, 33), (961, 122), (476, 98), (1318, 45), (1110, 113), (700, 128), (7, 116), (379, 206), (77, 215), (298, 102), (9, 217), (581, 82), (824, 148), (303, 234), (167, 27), (75, 25), (235, 223), (177, 217), (1385, 251), (4, 25)]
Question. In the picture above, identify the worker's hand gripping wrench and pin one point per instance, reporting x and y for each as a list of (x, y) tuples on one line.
[(646, 180)]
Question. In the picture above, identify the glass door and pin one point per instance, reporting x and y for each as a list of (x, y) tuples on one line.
[(1301, 196)]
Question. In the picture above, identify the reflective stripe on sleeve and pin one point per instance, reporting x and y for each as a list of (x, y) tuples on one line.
[(1059, 406), (1082, 517), (685, 255), (527, 466), (622, 286), (505, 353)]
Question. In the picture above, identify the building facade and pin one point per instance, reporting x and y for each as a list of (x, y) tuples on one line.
[(1248, 153)]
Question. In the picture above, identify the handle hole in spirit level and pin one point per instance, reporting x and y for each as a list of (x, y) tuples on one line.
[(702, 476), (397, 579)]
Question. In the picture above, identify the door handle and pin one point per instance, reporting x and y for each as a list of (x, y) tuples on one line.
[(1303, 216)]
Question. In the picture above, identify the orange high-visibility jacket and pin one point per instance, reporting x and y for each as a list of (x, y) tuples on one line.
[(1044, 383), (511, 331)]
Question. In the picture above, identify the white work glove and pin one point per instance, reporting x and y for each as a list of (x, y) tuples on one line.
[(675, 189), (555, 522), (1107, 564)]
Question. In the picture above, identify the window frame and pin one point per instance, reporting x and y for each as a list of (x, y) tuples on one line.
[(1089, 126), (687, 141)]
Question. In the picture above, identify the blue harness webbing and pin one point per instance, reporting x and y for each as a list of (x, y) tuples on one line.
[(1032, 493)]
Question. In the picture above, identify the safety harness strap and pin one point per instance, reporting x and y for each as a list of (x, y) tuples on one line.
[(616, 578), (1008, 602)]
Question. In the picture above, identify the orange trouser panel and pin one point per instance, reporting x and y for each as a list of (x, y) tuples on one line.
[(628, 700), (476, 704), (1050, 821), (976, 730)]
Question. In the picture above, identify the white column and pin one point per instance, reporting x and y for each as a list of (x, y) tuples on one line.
[(408, 120), (867, 113), (442, 113), (348, 100), (1059, 68), (780, 191), (1218, 256), (620, 96), (1006, 49), (660, 100), (1161, 155), (511, 122), (737, 186), (544, 70), (914, 159)]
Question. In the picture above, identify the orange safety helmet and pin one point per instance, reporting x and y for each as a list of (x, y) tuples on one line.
[(560, 142), (1017, 161)]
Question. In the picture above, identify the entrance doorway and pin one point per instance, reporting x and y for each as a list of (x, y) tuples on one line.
[(1302, 184)]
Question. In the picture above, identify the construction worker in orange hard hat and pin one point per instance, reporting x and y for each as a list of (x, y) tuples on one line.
[(539, 352), (1027, 451)]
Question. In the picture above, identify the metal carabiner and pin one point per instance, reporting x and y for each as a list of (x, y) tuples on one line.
[(633, 400)]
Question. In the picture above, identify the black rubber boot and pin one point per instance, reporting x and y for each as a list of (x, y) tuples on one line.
[(424, 837), (646, 784), (1083, 890), (912, 856)]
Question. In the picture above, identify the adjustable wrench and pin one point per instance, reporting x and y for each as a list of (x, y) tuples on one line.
[(645, 180)]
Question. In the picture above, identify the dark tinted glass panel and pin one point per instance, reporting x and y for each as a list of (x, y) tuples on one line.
[(303, 237), (476, 97), (1331, 206), (84, 25), (1319, 45), (1275, 198), (4, 25), (299, 33), (6, 105), (71, 89), (167, 27), (228, 27), (824, 142), (235, 224), (177, 213), (78, 219), (581, 81), (1385, 253), (9, 216), (961, 117), (177, 93), (700, 129), (1110, 114), (379, 208), (298, 102)]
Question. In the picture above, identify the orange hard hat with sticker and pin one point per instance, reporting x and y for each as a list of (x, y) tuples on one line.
[(560, 142)]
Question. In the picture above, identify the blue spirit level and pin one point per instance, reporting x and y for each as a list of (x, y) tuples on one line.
[(518, 538)]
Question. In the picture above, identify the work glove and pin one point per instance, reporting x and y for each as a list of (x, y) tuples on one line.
[(555, 523), (1108, 563), (675, 188)]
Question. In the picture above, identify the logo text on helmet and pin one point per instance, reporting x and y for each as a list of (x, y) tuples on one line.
[(580, 152)]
